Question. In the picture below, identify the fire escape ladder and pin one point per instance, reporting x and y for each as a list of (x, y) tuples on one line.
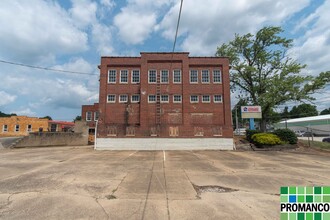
[(158, 107)]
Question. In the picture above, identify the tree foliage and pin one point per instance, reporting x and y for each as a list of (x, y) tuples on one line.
[(47, 117), (303, 110), (78, 118), (264, 74), (2, 114), (325, 112)]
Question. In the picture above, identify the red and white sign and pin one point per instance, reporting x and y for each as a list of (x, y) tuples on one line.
[(251, 109)]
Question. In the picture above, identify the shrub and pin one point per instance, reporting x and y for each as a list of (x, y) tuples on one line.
[(266, 139), (286, 135), (249, 134)]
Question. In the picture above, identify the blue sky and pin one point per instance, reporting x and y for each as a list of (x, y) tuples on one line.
[(72, 35)]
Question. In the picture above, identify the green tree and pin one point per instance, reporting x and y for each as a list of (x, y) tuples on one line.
[(48, 117), (285, 113), (78, 118), (263, 72), (325, 112), (303, 110), (2, 114), (237, 109)]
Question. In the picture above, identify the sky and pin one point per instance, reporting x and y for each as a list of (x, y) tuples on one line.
[(72, 35)]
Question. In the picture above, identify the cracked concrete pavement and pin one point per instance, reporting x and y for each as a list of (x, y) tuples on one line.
[(80, 183)]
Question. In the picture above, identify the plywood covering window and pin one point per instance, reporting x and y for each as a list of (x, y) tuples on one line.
[(174, 131), (130, 131)]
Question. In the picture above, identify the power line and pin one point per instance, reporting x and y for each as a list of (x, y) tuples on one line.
[(45, 68), (177, 27)]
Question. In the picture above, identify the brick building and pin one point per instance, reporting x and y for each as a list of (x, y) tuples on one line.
[(21, 125), (90, 114), (164, 95)]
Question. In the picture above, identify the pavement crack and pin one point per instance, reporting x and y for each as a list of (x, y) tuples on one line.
[(97, 201)]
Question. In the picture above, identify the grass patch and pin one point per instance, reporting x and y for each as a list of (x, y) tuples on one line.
[(317, 144)]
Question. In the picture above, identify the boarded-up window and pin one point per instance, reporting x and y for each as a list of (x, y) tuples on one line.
[(198, 131), (217, 131), (174, 131), (112, 131), (153, 131), (130, 131)]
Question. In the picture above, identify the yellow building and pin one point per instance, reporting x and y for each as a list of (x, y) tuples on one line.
[(21, 125)]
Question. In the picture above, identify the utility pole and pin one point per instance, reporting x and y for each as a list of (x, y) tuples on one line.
[(237, 127)]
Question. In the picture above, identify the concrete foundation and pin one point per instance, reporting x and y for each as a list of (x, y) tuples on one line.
[(164, 144)]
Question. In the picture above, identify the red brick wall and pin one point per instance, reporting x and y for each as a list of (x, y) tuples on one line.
[(89, 108), (207, 119)]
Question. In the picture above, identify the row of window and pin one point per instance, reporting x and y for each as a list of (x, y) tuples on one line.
[(16, 128), (164, 76), (89, 116), (165, 98)]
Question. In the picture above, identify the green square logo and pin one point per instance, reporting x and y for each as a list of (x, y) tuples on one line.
[(309, 190), (326, 198), (284, 190), (292, 190), (309, 216), (309, 198), (317, 190), (301, 190), (301, 216), (301, 198), (293, 216), (317, 216), (284, 216), (326, 216), (326, 190), (285, 199), (317, 198)]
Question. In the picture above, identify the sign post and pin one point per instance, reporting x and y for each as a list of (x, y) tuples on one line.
[(251, 112)]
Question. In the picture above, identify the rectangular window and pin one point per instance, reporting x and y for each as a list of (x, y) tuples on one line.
[(135, 98), (194, 98), (123, 76), (151, 98), (16, 128), (177, 76), (123, 98), (111, 98), (152, 77), (96, 116), (216, 76), (130, 131), (177, 99), (164, 98), (136, 76), (112, 75), (206, 99), (164, 76), (205, 76), (5, 128), (193, 76), (29, 128), (217, 98), (88, 116), (174, 131)]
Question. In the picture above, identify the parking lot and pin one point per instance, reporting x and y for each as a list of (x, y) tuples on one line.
[(80, 183)]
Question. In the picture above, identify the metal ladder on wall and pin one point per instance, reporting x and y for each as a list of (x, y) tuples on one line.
[(158, 107)]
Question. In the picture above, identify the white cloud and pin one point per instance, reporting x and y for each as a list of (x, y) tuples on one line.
[(205, 24), (25, 112), (314, 46), (83, 12), (6, 98), (31, 30), (108, 3), (77, 64), (102, 38)]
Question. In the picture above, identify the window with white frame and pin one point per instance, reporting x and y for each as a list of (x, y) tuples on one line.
[(135, 98), (5, 128), (193, 76), (111, 98), (176, 76), (164, 76), (29, 128), (16, 128), (123, 98), (112, 75), (123, 76), (206, 99), (217, 76), (96, 116), (217, 98), (152, 76), (151, 98), (88, 116), (194, 98), (205, 76), (135, 76), (164, 98), (177, 98)]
